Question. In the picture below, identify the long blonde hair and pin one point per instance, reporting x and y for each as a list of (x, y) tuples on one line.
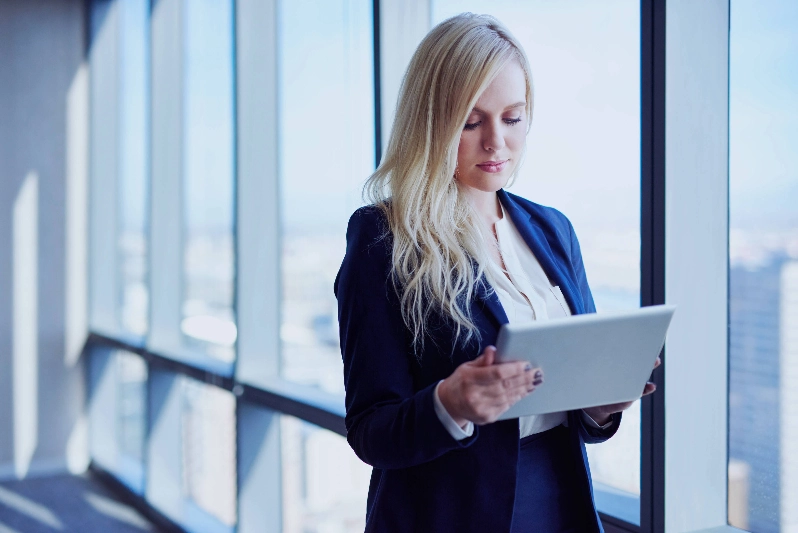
[(439, 255)]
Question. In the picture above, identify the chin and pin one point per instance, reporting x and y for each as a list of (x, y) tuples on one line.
[(493, 182)]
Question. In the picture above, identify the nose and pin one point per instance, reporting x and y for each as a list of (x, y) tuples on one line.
[(492, 140)]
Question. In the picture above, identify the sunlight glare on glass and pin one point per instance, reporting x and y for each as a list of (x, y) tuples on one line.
[(210, 329)]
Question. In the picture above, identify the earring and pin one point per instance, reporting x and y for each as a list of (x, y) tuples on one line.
[(457, 172)]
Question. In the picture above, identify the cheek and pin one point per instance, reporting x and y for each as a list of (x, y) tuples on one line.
[(516, 140), (465, 147)]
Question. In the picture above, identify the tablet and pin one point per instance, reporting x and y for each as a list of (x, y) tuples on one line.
[(587, 360)]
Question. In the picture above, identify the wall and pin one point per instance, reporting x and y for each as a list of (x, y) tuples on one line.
[(43, 154)]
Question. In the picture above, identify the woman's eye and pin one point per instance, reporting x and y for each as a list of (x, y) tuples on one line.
[(473, 125)]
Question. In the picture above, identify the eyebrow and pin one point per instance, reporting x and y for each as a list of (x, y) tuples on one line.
[(513, 106)]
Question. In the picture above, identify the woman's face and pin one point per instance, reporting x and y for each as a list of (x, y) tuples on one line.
[(495, 132)]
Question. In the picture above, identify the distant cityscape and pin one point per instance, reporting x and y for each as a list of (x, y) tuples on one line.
[(763, 378)]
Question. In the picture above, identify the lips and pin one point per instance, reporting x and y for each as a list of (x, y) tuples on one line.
[(493, 166)]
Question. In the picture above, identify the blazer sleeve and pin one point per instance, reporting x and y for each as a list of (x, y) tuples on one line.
[(389, 424), (590, 435)]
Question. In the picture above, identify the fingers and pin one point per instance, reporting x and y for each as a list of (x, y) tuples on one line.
[(504, 371), (489, 408), (504, 377), (657, 362), (503, 392), (528, 380), (486, 402), (649, 388), (488, 389), (487, 358)]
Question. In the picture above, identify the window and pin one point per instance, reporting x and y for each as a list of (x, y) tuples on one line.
[(133, 94), (208, 436), (227, 156), (583, 157), (120, 136), (191, 473), (208, 322), (324, 483), (763, 267), (131, 409), (133, 158), (326, 132), (117, 406)]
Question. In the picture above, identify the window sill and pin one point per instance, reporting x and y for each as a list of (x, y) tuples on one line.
[(720, 529)]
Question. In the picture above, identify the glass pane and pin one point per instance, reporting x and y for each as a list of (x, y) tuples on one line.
[(132, 397), (208, 322), (118, 399), (208, 436), (325, 485), (133, 186), (327, 152), (583, 157), (763, 266)]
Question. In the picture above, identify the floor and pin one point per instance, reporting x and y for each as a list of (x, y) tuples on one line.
[(64, 504)]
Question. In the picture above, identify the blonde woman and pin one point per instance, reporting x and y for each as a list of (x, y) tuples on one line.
[(439, 261)]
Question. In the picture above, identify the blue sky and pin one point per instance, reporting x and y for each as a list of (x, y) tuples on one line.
[(764, 114), (327, 111)]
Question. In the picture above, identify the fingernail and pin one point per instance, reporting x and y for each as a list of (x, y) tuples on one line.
[(539, 374), (537, 382), (528, 367)]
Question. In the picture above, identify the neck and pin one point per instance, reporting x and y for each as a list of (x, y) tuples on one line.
[(486, 204)]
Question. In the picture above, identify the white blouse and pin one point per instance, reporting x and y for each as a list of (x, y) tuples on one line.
[(526, 294)]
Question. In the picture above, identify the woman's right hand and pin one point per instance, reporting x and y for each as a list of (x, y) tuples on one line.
[(481, 391)]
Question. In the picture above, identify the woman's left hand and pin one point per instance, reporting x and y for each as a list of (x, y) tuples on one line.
[(601, 414)]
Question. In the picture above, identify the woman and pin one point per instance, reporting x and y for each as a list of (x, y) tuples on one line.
[(433, 268)]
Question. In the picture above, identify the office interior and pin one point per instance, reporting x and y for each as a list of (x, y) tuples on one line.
[(176, 178)]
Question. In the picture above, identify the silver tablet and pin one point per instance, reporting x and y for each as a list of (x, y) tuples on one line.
[(587, 360)]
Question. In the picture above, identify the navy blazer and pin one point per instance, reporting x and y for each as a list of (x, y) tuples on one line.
[(423, 479)]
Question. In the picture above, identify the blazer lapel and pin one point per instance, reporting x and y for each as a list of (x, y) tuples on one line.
[(490, 304), (538, 242)]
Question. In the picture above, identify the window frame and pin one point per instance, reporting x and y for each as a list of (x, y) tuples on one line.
[(696, 254)]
